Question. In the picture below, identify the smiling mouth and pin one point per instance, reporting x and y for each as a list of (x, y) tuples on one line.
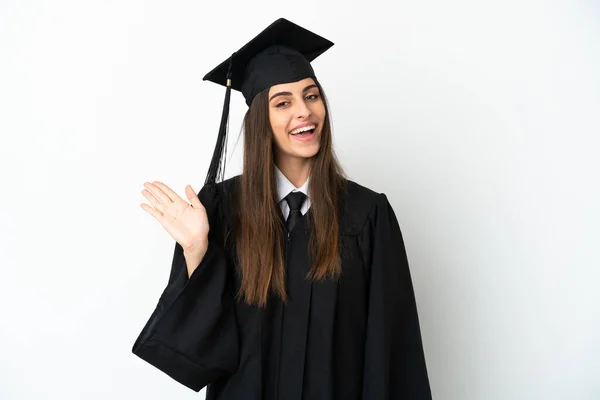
[(304, 131)]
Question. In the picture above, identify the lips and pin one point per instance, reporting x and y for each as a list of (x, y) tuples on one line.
[(303, 128), (307, 136)]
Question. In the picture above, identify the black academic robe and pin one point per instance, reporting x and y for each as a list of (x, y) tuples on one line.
[(354, 338)]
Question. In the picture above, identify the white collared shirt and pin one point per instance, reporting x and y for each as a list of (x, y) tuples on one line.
[(284, 187)]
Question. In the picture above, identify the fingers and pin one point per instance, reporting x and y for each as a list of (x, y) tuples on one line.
[(161, 197), (158, 192), (151, 198), (191, 195), (152, 211), (167, 190)]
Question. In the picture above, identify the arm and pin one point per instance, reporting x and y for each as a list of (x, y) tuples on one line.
[(192, 334), (394, 360)]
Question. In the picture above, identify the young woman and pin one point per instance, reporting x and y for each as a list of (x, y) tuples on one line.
[(288, 281)]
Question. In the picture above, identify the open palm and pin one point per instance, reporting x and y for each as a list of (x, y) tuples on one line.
[(186, 223)]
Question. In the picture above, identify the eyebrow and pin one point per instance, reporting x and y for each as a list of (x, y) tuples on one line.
[(290, 93)]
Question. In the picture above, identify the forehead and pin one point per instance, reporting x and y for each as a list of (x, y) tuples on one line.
[(292, 87)]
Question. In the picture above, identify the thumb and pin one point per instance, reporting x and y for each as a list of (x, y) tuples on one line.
[(193, 197)]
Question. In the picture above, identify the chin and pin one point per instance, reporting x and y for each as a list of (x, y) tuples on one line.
[(306, 152)]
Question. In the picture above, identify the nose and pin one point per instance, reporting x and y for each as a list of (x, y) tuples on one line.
[(302, 110)]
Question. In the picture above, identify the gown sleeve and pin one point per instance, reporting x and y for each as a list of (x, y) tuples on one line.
[(192, 334), (394, 359)]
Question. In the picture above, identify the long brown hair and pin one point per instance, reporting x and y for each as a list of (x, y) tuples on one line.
[(259, 232)]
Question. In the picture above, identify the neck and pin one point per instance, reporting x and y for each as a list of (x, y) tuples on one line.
[(297, 170)]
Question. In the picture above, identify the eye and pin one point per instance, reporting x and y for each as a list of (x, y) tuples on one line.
[(312, 96), (281, 104)]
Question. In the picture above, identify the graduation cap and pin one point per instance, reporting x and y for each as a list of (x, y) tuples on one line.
[(279, 54)]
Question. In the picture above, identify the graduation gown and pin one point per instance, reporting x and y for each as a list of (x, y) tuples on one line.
[(354, 338)]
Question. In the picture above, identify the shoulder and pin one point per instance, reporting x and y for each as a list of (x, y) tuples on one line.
[(229, 185), (217, 198), (359, 203), (221, 191), (227, 195), (360, 193)]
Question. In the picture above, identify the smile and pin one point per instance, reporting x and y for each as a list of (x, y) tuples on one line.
[(308, 128)]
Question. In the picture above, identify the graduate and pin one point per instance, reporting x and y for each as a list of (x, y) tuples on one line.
[(288, 281)]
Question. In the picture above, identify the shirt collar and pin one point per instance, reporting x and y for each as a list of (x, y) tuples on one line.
[(284, 186)]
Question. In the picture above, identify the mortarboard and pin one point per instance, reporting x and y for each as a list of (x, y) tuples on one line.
[(279, 54)]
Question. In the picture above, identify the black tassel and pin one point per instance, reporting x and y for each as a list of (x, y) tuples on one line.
[(216, 170)]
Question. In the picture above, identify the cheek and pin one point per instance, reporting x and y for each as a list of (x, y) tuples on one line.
[(319, 110), (279, 125)]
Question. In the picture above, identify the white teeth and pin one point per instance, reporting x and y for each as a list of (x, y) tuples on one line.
[(300, 130)]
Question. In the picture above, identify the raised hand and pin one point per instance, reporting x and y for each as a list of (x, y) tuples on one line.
[(186, 222)]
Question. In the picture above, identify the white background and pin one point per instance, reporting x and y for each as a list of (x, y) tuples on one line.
[(478, 119)]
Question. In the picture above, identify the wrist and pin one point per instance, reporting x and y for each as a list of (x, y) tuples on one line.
[(193, 258), (196, 250)]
